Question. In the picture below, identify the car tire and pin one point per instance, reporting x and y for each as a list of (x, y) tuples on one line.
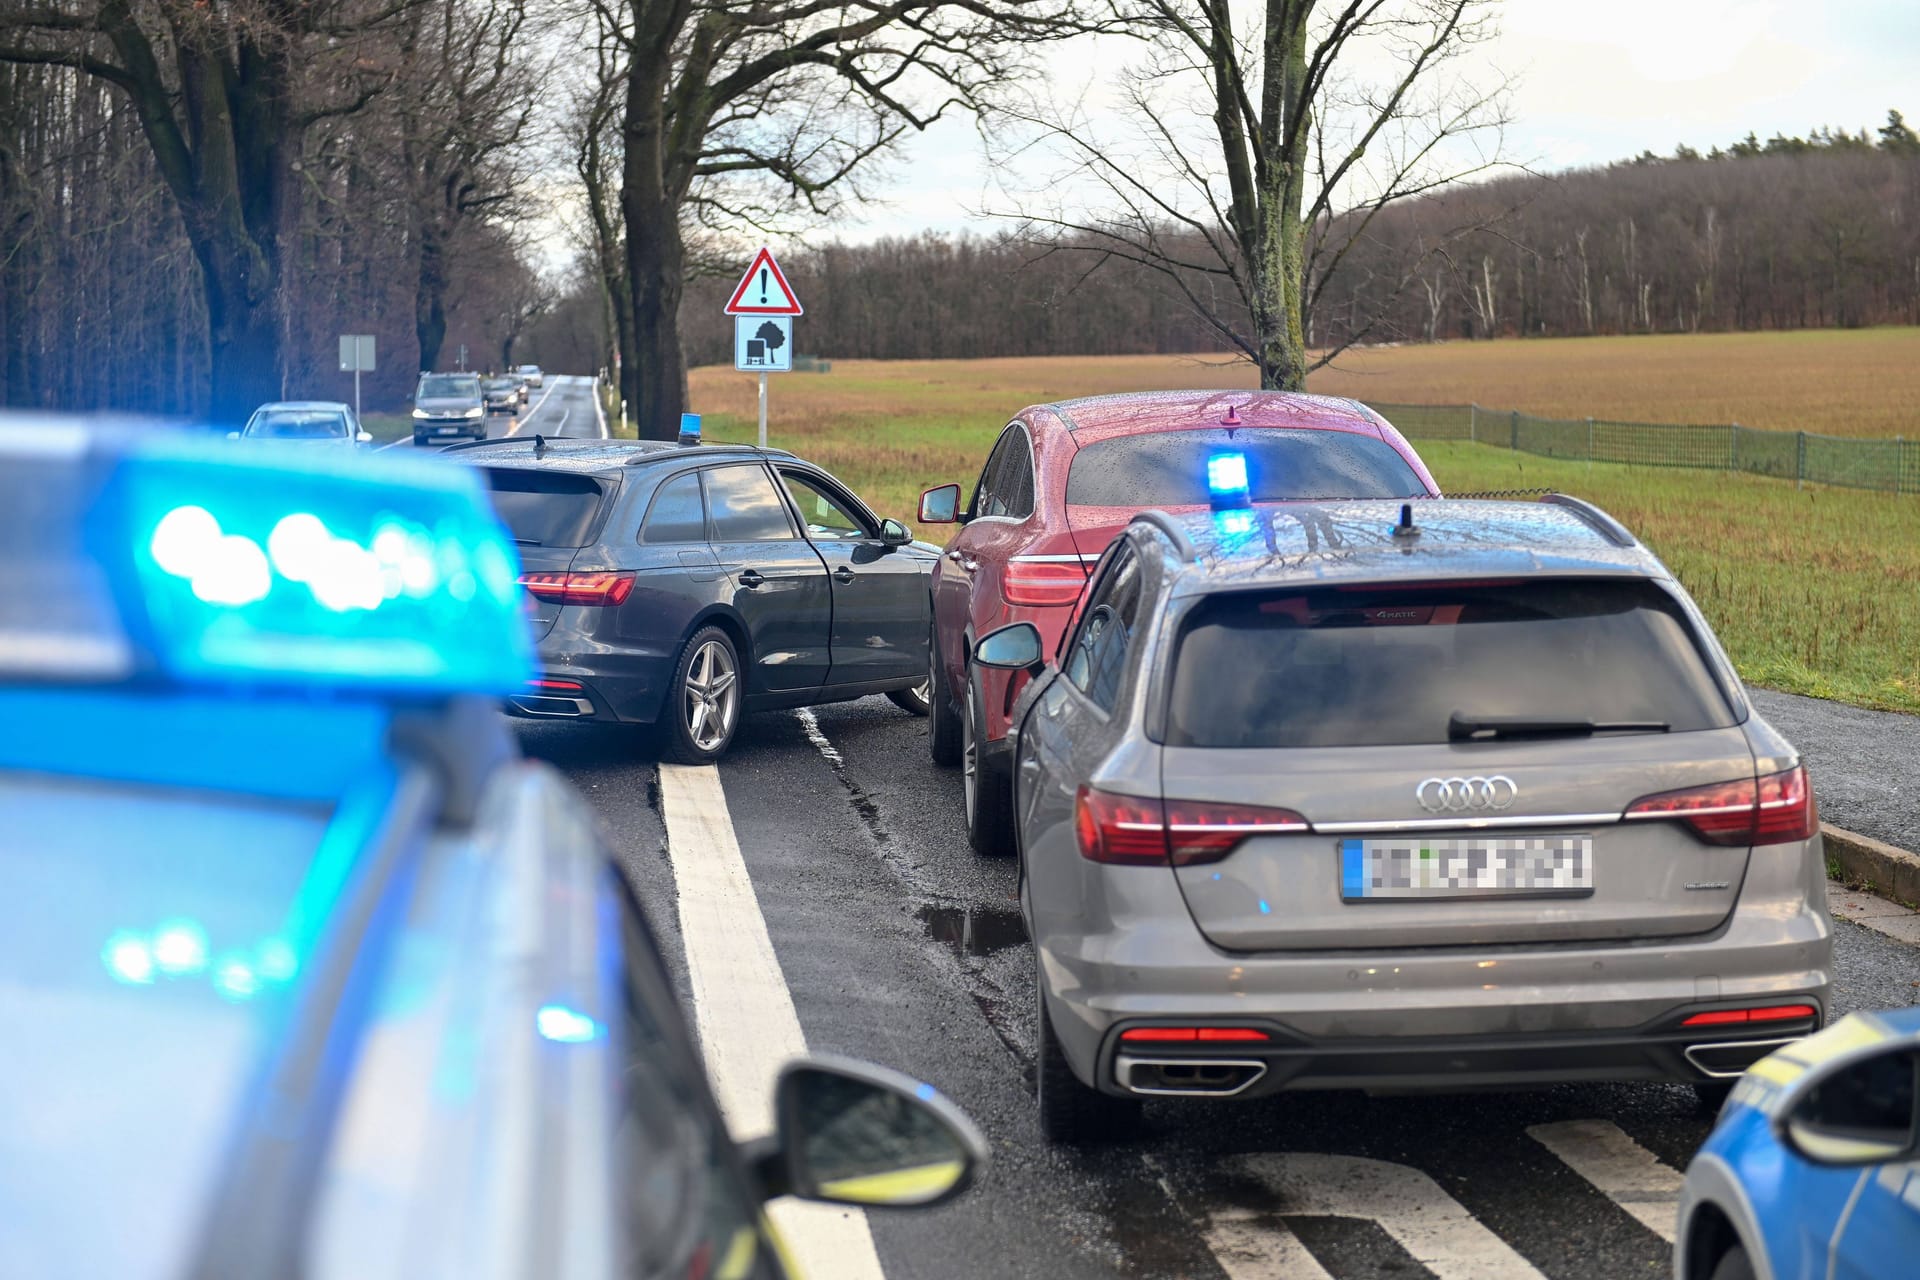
[(915, 701), (1734, 1264), (688, 737), (943, 720), (986, 791), (1072, 1114)]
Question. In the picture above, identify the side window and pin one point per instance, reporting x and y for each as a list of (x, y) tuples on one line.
[(1097, 655), (987, 499), (677, 513), (1014, 480), (823, 514), (745, 506)]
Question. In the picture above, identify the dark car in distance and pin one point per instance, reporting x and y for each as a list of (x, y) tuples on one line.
[(686, 586)]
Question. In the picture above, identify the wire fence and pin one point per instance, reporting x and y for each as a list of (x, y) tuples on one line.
[(1890, 466)]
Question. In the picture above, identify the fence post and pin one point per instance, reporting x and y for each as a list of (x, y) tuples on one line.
[(1733, 446), (1589, 442), (1473, 411), (1514, 441), (1800, 460), (1899, 464)]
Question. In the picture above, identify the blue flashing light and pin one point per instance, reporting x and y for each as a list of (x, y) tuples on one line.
[(1227, 479), (565, 1026), (924, 1092), (180, 948), (1265, 910), (689, 428), (1233, 523), (365, 573), (235, 978), (129, 959)]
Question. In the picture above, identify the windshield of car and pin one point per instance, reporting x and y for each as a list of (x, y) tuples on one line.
[(498, 384), (529, 368), (146, 965), (298, 424), (1169, 468), (449, 385), (546, 508), (1380, 666)]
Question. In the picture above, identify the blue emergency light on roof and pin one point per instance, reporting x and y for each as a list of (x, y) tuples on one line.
[(269, 567), (1227, 480)]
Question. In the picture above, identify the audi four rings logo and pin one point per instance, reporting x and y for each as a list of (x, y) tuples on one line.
[(1457, 795)]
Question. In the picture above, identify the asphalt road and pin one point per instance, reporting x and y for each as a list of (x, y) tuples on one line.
[(563, 405), (899, 946)]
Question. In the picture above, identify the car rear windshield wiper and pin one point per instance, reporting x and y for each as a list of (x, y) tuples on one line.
[(529, 542), (1464, 728)]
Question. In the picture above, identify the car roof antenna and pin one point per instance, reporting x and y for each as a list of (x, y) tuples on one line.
[(1406, 528), (539, 444)]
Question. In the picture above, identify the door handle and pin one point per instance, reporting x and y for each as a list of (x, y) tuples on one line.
[(966, 562), (751, 578), (843, 576)]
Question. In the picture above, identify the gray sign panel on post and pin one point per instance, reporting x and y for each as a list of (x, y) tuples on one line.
[(356, 353)]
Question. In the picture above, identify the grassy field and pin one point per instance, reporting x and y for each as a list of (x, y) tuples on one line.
[(1814, 591)]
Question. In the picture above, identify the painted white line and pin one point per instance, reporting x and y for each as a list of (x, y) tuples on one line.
[(810, 725), (1247, 1249), (742, 1011), (520, 420), (1408, 1205), (1630, 1175), (599, 410)]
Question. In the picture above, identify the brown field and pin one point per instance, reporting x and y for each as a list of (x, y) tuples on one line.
[(1863, 382)]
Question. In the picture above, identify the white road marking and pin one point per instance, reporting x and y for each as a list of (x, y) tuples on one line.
[(742, 1011), (520, 420), (1261, 1249), (810, 725), (1408, 1205), (599, 410), (1630, 1175)]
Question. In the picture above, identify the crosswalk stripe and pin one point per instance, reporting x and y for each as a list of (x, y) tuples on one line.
[(1408, 1205), (743, 1011), (1626, 1172)]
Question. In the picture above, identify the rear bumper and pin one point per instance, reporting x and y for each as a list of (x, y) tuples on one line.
[(1436, 1017), (626, 690)]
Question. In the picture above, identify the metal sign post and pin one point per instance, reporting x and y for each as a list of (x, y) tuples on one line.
[(763, 306), (356, 354)]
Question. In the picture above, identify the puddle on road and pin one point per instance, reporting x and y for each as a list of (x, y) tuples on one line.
[(973, 931)]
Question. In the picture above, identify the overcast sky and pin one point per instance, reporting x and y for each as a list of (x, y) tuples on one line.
[(1596, 82)]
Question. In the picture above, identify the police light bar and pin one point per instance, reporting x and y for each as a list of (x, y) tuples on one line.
[(1227, 480), (269, 566)]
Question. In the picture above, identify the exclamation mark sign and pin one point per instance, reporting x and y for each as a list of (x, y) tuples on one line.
[(763, 286)]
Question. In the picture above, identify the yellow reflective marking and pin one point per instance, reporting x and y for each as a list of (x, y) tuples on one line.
[(902, 1186), (737, 1264)]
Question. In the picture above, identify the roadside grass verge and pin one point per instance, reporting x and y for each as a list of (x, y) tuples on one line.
[(1813, 591), (385, 427)]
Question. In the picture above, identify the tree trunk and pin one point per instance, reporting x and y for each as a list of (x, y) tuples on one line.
[(653, 371), (430, 297), (243, 325)]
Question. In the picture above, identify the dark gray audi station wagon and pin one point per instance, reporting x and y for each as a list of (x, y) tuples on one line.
[(686, 585), (1378, 795)]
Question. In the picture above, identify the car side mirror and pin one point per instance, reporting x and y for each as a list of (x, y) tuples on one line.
[(233, 435), (364, 437), (1014, 647), (940, 505), (850, 1133), (1861, 1112), (894, 534)]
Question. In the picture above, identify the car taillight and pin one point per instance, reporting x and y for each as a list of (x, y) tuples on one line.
[(579, 588), (1032, 580), (1134, 831), (1200, 831), (1771, 1013), (1776, 809), (1193, 1035)]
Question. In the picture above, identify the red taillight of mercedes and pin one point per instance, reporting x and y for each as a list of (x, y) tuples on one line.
[(579, 588), (1776, 809), (1042, 580), (1138, 831)]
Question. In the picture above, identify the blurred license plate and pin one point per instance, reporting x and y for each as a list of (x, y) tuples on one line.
[(1466, 867), (446, 431)]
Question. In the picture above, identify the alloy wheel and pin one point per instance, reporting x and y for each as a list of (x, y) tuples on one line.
[(712, 696), (969, 755)]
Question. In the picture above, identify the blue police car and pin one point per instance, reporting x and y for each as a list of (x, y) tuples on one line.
[(1813, 1170), (303, 968)]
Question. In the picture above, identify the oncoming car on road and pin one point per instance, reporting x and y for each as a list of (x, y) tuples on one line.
[(501, 395), (311, 972), (449, 406), (531, 375), (309, 423), (1813, 1168), (1062, 480), (1434, 794), (686, 586)]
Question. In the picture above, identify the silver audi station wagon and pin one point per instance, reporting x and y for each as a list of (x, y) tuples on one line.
[(1440, 795)]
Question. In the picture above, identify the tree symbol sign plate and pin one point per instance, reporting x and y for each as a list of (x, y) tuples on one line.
[(763, 344), (763, 291)]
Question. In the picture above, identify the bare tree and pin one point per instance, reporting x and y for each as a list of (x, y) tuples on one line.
[(739, 115), (221, 94), (1266, 156)]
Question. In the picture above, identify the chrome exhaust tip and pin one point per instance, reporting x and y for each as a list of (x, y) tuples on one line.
[(1188, 1077), (1726, 1059), (544, 705)]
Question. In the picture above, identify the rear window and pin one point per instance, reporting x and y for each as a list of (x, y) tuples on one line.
[(1384, 667), (546, 508), (1169, 468)]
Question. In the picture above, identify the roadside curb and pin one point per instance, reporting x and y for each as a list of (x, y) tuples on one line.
[(1875, 881)]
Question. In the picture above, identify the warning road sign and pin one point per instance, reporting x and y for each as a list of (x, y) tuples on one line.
[(763, 344), (763, 291)]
